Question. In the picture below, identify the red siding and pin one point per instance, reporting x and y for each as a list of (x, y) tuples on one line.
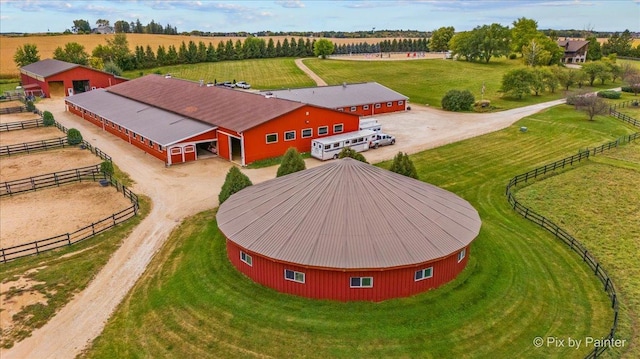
[(334, 284), (256, 147), (207, 136), (372, 110), (97, 79), (223, 146)]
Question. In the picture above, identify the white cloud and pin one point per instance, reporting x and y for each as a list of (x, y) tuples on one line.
[(290, 3)]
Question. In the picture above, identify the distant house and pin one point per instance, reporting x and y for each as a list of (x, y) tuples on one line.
[(575, 51), (55, 78), (103, 29), (364, 99)]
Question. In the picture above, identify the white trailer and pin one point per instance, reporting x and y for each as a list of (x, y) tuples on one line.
[(326, 148), (370, 124)]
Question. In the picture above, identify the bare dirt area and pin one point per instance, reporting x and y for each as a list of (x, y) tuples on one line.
[(29, 135), (44, 162), (18, 117), (15, 103), (183, 190), (18, 293), (45, 213)]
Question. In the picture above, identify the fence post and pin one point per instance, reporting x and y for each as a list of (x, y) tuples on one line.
[(597, 267), (93, 229), (69, 238), (113, 216), (37, 249), (4, 258)]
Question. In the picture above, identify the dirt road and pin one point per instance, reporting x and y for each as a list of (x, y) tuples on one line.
[(183, 190), (314, 77)]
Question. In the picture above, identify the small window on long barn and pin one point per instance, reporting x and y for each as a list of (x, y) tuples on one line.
[(338, 128), (290, 135), (461, 255), (307, 132), (323, 130), (272, 138)]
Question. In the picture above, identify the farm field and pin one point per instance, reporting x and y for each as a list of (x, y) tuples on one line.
[(599, 203), (47, 44), (44, 162), (260, 73), (520, 283), (15, 117)]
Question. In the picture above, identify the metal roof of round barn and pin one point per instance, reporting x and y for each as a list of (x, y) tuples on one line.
[(348, 214)]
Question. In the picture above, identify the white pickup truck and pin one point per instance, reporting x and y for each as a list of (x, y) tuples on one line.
[(381, 139)]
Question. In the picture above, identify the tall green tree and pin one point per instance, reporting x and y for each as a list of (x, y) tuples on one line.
[(463, 44), (594, 70), (81, 26), (26, 54), (618, 44), (233, 183), (523, 31), (534, 54), (403, 165), (291, 162), (440, 38), (322, 48), (121, 26), (492, 40), (120, 51), (73, 52), (271, 49), (517, 82), (594, 51)]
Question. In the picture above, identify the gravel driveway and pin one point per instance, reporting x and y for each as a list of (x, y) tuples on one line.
[(184, 190)]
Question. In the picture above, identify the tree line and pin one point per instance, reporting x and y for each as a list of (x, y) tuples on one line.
[(81, 26)]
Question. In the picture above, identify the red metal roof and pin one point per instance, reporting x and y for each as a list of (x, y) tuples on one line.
[(232, 109), (348, 214)]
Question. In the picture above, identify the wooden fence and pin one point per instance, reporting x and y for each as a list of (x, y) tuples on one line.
[(21, 125), (563, 235), (67, 239), (15, 109), (55, 179), (52, 143)]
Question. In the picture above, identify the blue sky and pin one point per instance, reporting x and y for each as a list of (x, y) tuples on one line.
[(318, 15)]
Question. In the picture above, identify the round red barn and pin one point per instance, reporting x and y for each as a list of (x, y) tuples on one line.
[(348, 231)]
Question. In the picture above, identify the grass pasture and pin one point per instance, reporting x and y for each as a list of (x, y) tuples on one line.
[(520, 283), (599, 203), (260, 73), (427, 81)]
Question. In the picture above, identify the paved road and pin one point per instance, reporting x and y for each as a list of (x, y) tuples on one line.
[(184, 190)]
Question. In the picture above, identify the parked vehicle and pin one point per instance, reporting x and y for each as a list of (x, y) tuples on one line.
[(382, 139), (227, 84), (326, 148), (370, 124), (243, 85)]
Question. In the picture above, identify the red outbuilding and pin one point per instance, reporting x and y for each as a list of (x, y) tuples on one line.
[(364, 99), (348, 231), (240, 126), (55, 78)]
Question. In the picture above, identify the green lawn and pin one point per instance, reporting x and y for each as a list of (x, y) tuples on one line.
[(261, 74), (520, 282), (599, 203), (64, 273), (426, 81)]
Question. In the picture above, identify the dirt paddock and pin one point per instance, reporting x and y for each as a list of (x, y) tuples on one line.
[(18, 117), (44, 162), (29, 135), (32, 216), (14, 103)]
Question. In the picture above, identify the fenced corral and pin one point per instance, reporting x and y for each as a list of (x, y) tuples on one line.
[(55, 179), (15, 109), (622, 116), (563, 235), (95, 228), (12, 96), (21, 125)]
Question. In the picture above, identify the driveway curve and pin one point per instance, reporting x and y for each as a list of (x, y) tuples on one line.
[(184, 190), (319, 81)]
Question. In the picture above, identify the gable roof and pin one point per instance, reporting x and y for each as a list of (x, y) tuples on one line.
[(348, 214), (341, 95), (572, 45), (232, 109), (162, 127), (48, 67)]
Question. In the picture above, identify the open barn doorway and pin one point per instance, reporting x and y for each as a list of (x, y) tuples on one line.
[(236, 150), (207, 149)]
